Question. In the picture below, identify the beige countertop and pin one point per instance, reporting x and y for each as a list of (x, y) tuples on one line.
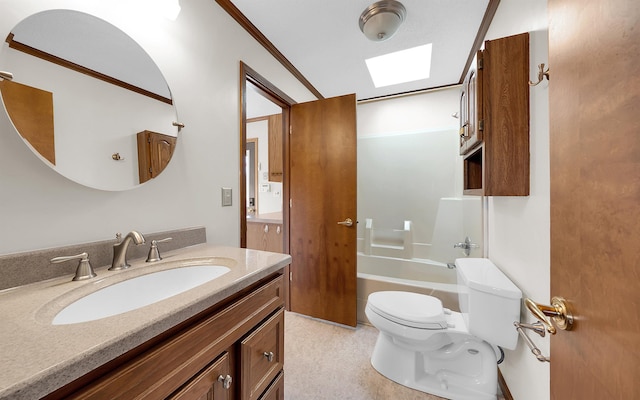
[(38, 357), (267, 218)]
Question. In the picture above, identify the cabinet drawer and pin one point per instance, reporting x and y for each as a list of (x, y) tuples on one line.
[(209, 384), (262, 356), (276, 389)]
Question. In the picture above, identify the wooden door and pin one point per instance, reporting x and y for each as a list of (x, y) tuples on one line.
[(594, 87), (31, 111), (323, 193)]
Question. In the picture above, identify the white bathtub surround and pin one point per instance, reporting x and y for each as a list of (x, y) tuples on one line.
[(456, 218), (388, 242)]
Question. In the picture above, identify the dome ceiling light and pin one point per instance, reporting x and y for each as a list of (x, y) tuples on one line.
[(382, 19)]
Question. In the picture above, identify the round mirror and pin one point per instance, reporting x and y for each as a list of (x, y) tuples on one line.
[(88, 100)]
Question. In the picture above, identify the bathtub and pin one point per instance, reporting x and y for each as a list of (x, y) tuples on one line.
[(377, 273)]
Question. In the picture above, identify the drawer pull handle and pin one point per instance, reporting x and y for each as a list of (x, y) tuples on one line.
[(226, 381), (268, 355)]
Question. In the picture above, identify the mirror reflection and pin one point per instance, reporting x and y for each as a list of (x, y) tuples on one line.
[(264, 168), (88, 100)]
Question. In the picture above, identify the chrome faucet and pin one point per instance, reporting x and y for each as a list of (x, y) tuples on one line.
[(466, 246), (120, 250)]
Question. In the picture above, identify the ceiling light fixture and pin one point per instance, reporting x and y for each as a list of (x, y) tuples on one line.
[(382, 19)]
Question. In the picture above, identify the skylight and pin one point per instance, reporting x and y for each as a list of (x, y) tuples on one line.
[(401, 66)]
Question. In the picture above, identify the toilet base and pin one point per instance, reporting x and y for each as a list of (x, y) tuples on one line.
[(465, 369)]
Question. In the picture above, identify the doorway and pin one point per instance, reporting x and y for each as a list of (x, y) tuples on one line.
[(264, 218)]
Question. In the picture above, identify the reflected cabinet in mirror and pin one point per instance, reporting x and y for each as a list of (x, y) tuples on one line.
[(83, 93)]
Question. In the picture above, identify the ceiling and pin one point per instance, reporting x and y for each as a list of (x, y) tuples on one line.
[(323, 44)]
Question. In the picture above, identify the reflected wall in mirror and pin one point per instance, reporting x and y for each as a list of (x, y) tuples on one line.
[(98, 90), (266, 174)]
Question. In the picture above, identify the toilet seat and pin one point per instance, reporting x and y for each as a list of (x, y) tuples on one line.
[(409, 309)]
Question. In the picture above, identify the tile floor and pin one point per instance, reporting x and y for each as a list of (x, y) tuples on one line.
[(324, 361)]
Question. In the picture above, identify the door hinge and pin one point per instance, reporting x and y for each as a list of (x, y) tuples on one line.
[(291, 275), (481, 125), (480, 63), (290, 130), (290, 203), (150, 170)]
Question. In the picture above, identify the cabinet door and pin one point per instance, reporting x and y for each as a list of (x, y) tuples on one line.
[(262, 357), (267, 237), (255, 233), (275, 148), (154, 153), (214, 383), (274, 238), (474, 79), (464, 117), (471, 108)]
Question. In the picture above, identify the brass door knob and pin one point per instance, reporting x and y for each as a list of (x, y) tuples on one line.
[(558, 311)]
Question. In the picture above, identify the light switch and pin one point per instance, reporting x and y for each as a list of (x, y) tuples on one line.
[(226, 197)]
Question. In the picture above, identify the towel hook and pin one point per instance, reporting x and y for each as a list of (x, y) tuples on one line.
[(541, 75), (537, 328)]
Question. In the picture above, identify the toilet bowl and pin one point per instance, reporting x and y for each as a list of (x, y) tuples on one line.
[(450, 354)]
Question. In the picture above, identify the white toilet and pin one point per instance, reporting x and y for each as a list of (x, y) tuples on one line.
[(449, 354)]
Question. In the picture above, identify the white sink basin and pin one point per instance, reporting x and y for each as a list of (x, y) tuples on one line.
[(137, 292)]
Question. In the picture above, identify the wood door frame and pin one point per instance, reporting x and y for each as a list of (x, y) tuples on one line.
[(275, 95), (255, 177)]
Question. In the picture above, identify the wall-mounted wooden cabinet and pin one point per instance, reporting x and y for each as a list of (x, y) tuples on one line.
[(275, 148), (494, 131), (154, 153)]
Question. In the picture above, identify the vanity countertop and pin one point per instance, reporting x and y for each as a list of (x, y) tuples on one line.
[(267, 218), (38, 357)]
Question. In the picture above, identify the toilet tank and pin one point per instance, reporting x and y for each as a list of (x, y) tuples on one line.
[(489, 301)]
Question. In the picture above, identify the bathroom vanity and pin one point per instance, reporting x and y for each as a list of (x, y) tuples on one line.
[(223, 339)]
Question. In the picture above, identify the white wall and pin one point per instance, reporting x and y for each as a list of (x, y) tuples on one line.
[(518, 227), (199, 55)]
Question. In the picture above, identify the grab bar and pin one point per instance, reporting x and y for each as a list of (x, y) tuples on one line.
[(538, 328)]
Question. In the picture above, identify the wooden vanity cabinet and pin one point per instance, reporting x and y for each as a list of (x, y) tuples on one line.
[(265, 236), (234, 350), (496, 151)]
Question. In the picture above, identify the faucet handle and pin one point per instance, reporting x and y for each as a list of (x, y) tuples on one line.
[(154, 253), (84, 270)]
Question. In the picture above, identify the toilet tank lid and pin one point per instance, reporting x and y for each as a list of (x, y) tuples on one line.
[(483, 275)]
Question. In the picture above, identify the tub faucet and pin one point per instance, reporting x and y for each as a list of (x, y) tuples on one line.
[(466, 246), (120, 250)]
